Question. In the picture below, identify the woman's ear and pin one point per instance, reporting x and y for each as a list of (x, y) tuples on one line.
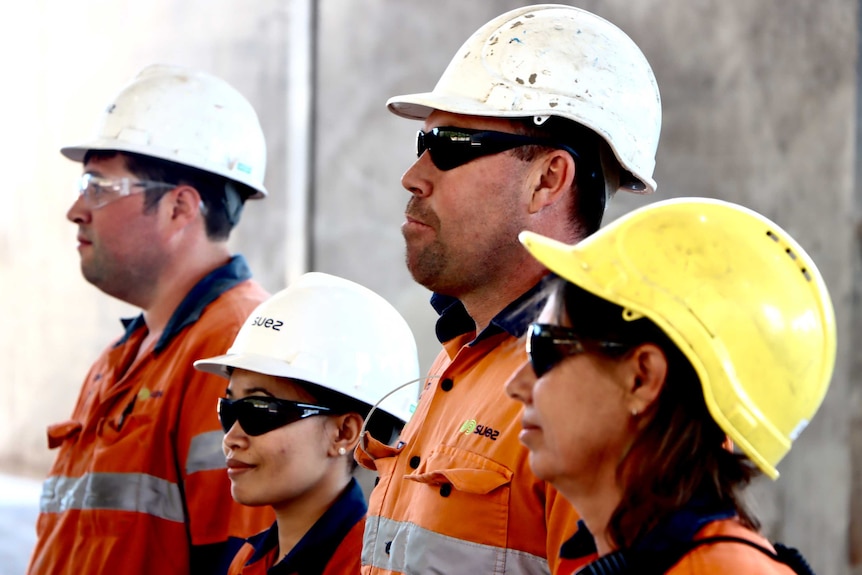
[(346, 433), (648, 365)]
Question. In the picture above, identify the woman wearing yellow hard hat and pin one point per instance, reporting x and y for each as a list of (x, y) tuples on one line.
[(675, 328)]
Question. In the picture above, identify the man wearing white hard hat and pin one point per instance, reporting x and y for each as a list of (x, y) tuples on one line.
[(304, 373), (139, 483), (541, 116)]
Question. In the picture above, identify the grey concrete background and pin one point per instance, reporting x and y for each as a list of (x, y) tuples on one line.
[(761, 107)]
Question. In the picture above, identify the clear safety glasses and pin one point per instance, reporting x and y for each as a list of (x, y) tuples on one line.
[(452, 147), (258, 415), (548, 345), (98, 191)]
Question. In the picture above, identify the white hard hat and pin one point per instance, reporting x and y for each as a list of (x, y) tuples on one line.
[(184, 116), (554, 60), (333, 333)]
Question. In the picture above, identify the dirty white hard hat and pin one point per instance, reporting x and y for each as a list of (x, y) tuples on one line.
[(554, 60), (184, 116)]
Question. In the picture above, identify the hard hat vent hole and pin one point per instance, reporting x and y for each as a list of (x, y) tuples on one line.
[(805, 273)]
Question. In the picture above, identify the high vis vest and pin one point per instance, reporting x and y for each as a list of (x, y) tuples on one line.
[(456, 494), (139, 483)]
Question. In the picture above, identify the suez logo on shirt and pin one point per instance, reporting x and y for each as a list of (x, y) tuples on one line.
[(471, 426), (267, 322)]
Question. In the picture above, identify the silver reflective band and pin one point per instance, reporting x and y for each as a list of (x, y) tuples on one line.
[(115, 491), (385, 546), (205, 452)]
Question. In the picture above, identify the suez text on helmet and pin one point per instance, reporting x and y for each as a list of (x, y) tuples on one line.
[(736, 294), (555, 60), (332, 333), (184, 116)]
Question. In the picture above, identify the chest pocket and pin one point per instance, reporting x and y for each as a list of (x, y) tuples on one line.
[(465, 471), (464, 495)]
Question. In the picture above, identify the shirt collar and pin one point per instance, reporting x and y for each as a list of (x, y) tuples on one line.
[(513, 319), (318, 545), (190, 309), (680, 527)]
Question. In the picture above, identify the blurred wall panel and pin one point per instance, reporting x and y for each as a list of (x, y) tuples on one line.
[(760, 107)]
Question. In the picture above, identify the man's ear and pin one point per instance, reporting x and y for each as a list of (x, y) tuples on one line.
[(646, 378), (185, 204), (552, 178)]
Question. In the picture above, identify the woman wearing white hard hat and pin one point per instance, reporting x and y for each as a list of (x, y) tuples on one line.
[(304, 370), (677, 327)]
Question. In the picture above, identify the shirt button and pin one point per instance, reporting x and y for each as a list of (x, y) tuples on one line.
[(446, 489), (414, 461), (446, 384)]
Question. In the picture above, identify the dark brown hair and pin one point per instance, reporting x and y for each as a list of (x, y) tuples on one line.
[(222, 199), (588, 189), (681, 452)]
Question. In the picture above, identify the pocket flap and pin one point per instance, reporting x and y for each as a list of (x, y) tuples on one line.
[(60, 432), (466, 471)]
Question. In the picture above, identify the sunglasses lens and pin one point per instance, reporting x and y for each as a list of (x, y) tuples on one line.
[(543, 353), (226, 413), (259, 415), (448, 148)]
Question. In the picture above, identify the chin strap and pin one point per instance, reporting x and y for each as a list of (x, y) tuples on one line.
[(374, 408)]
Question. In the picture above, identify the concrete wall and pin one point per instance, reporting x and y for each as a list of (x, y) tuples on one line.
[(760, 105)]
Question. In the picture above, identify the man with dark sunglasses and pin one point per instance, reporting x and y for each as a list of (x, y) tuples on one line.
[(541, 116), (139, 484)]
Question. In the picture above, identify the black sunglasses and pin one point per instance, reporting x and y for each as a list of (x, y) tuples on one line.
[(548, 345), (452, 147), (258, 415)]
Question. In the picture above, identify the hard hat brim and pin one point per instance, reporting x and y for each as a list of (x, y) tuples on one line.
[(562, 259), (419, 106), (222, 364), (78, 152)]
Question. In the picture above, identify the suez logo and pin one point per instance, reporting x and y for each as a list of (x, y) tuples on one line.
[(267, 322), (471, 426)]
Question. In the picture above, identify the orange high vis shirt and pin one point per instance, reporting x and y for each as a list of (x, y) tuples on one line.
[(685, 544), (139, 483), (729, 557), (456, 493), (331, 547)]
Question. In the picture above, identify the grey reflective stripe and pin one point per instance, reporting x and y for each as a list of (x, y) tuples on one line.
[(407, 548), (205, 452), (116, 491)]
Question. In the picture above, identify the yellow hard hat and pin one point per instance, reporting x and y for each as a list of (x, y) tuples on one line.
[(738, 296)]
